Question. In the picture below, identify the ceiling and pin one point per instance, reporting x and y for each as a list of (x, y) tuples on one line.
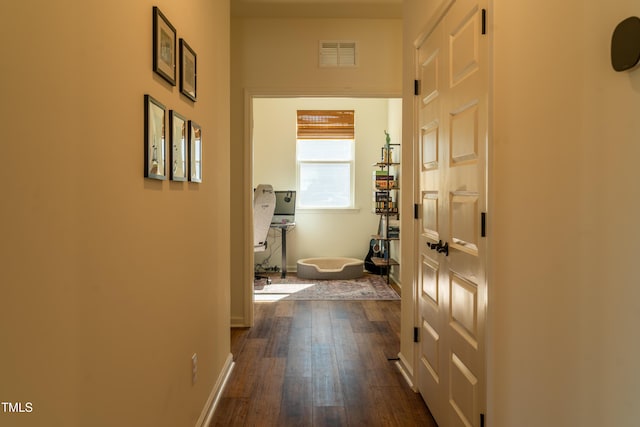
[(317, 8)]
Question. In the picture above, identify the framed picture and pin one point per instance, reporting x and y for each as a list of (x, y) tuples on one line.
[(195, 152), (164, 47), (178, 157), (154, 141), (188, 69)]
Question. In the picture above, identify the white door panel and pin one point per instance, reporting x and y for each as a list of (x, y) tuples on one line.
[(433, 361)]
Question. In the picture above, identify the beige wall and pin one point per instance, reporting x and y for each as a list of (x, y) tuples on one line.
[(565, 174), (109, 282), (563, 232), (275, 57), (320, 232)]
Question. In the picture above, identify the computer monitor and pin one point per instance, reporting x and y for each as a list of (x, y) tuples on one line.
[(285, 211)]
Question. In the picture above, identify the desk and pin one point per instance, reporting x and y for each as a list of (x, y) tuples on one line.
[(284, 227)]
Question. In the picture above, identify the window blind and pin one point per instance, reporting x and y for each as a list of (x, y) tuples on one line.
[(325, 124)]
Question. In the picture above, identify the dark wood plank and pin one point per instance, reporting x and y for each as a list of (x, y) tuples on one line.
[(394, 409), (299, 354), (374, 311), (246, 373), (238, 338), (359, 398), (278, 340), (327, 390), (266, 313), (321, 323), (301, 315), (296, 408), (385, 339), (391, 310), (320, 363), (284, 309), (358, 319), (345, 345), (231, 412), (329, 416), (264, 408)]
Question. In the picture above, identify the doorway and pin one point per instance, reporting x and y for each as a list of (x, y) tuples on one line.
[(344, 232)]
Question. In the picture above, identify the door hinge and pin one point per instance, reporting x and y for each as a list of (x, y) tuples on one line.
[(416, 87), (484, 21), (481, 420), (483, 224), (416, 334), (416, 211)]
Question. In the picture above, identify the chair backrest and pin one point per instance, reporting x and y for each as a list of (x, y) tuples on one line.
[(264, 203)]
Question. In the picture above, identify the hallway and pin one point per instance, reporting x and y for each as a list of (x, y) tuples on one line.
[(320, 363)]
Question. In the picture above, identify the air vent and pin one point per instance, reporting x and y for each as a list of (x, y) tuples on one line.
[(337, 53)]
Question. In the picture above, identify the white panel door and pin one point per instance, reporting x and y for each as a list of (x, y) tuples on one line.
[(453, 119), (432, 372)]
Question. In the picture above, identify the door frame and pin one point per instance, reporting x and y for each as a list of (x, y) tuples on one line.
[(249, 95)]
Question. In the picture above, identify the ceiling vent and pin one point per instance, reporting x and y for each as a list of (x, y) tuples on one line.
[(336, 53)]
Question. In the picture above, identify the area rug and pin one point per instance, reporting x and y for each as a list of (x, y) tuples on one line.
[(368, 287)]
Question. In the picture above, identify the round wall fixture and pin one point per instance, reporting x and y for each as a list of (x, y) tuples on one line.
[(625, 44)]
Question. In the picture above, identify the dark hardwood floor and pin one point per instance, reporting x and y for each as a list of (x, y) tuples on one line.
[(320, 363)]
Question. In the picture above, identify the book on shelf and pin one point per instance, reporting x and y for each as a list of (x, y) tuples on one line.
[(386, 184), (382, 196)]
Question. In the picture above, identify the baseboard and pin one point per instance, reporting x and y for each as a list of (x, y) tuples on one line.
[(395, 285), (216, 393), (406, 371), (239, 322)]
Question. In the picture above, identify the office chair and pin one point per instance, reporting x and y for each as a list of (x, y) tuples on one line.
[(264, 203)]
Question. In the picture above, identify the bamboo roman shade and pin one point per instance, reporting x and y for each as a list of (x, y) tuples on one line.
[(325, 124)]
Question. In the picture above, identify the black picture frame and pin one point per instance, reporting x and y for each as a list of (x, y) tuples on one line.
[(154, 139), (164, 47), (188, 70), (195, 152), (179, 155)]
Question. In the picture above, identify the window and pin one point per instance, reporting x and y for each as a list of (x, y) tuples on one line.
[(325, 158)]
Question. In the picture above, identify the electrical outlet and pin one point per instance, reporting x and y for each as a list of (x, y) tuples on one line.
[(194, 368)]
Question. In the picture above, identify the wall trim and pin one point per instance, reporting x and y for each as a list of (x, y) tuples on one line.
[(247, 161), (257, 92), (216, 393), (249, 94), (407, 372), (239, 322)]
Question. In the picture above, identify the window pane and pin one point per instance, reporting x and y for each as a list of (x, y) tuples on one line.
[(325, 149), (325, 185)]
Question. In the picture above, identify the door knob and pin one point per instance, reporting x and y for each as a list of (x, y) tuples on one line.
[(444, 249), (439, 247), (434, 246)]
